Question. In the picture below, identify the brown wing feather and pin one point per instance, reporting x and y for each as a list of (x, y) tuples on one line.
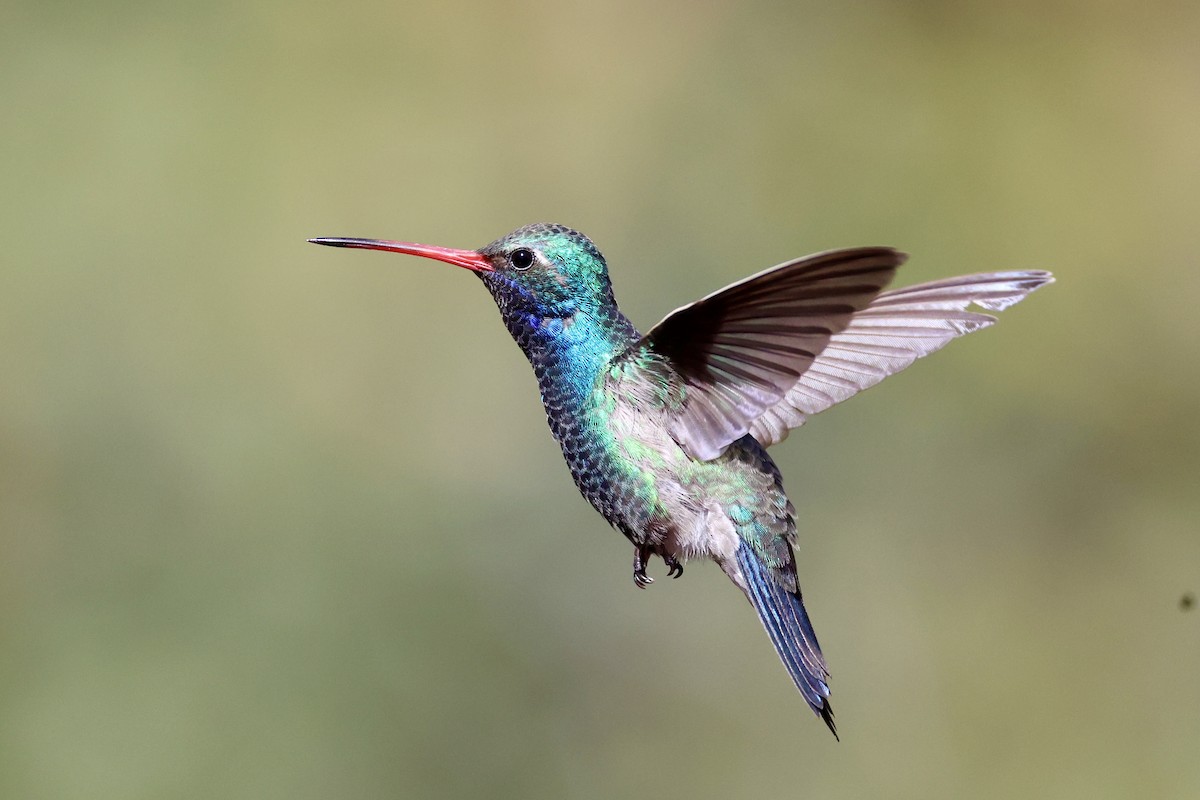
[(896, 329), (740, 350)]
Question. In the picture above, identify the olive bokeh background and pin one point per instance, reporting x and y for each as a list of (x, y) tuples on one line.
[(278, 521)]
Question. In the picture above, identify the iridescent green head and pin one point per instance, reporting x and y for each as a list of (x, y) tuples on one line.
[(547, 271)]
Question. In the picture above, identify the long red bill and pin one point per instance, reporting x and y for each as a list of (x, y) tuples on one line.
[(462, 258)]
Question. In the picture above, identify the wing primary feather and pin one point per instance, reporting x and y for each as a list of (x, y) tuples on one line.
[(738, 351), (897, 328)]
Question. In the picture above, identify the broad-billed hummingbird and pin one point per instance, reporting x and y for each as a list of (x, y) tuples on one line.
[(666, 433)]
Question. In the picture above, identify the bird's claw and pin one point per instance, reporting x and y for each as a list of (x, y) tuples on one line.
[(640, 578), (641, 556)]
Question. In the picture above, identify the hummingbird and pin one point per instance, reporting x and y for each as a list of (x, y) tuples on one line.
[(666, 433)]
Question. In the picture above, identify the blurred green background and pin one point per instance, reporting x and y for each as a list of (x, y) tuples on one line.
[(279, 521)]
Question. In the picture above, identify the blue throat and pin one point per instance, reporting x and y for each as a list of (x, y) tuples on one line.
[(567, 346), (569, 354)]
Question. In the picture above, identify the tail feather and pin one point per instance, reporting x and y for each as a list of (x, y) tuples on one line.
[(782, 614)]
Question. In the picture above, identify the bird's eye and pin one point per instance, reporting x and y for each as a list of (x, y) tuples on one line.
[(521, 258)]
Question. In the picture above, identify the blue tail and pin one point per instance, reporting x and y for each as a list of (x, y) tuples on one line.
[(783, 615)]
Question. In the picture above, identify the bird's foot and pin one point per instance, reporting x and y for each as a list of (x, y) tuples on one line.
[(640, 578), (641, 556)]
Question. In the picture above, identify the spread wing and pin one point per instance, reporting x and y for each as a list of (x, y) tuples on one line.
[(739, 351), (896, 329)]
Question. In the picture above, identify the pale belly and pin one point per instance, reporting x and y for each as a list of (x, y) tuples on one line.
[(661, 498)]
